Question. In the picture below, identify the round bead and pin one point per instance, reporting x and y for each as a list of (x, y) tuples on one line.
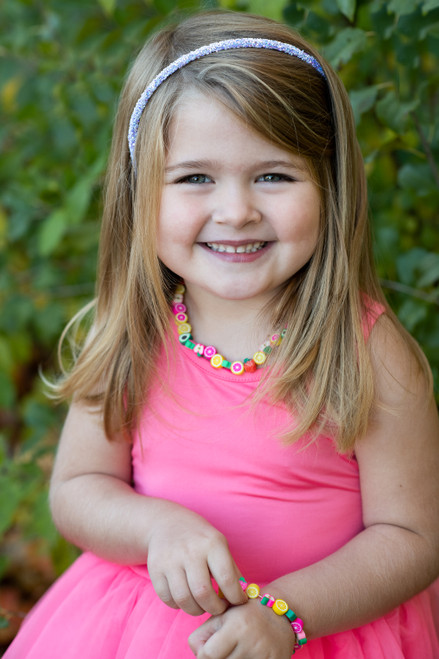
[(180, 318), (284, 331), (259, 358), (209, 352), (178, 297), (184, 337), (274, 338), (250, 366), (297, 625), (217, 360), (252, 591), (280, 607), (180, 289), (180, 308), (183, 328), (237, 368), (199, 349)]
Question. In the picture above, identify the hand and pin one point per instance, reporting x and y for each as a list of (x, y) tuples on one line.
[(249, 631), (184, 553)]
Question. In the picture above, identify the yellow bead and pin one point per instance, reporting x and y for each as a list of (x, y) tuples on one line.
[(280, 607), (252, 591), (259, 358), (180, 289), (183, 328), (217, 360)]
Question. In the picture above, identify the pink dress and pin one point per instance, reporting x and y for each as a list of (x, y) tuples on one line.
[(281, 509)]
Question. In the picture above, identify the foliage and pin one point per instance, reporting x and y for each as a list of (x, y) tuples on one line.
[(62, 66)]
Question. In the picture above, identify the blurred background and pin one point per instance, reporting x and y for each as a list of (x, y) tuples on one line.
[(62, 63)]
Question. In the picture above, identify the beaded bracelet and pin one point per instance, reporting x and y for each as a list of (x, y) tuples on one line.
[(280, 607)]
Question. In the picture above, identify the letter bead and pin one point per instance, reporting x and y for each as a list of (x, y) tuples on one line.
[(199, 349)]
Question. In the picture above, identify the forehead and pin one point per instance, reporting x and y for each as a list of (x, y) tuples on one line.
[(203, 128)]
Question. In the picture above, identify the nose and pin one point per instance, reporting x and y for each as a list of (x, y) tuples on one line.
[(235, 205)]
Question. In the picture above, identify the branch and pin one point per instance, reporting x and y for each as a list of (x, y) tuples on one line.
[(433, 298), (427, 148)]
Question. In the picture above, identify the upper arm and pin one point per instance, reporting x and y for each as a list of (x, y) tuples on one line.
[(84, 449), (399, 456)]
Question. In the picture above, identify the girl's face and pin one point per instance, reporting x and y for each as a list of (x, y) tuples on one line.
[(239, 215)]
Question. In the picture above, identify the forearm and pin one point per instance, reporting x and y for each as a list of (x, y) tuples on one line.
[(375, 572), (103, 514)]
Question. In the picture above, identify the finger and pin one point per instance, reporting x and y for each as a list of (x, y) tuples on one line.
[(182, 595), (200, 584), (226, 574), (219, 645), (200, 636), (161, 587)]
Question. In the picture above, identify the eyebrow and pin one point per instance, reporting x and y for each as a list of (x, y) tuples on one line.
[(206, 164)]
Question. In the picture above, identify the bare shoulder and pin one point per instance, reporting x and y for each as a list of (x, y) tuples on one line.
[(399, 456), (85, 449)]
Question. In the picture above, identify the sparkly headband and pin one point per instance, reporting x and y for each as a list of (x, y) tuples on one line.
[(228, 44)]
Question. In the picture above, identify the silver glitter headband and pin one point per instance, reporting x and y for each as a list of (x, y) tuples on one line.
[(228, 44)]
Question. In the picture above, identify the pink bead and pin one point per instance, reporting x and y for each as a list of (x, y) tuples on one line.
[(271, 601), (243, 584), (180, 308), (297, 625), (209, 352), (180, 317)]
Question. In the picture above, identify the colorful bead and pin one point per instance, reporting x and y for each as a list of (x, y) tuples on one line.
[(250, 366), (180, 318), (199, 349), (243, 583), (291, 616), (259, 358), (178, 297), (297, 625), (184, 337), (252, 591), (209, 352), (217, 360), (280, 607), (180, 289), (183, 328), (237, 368), (268, 600), (274, 339), (180, 308), (301, 639)]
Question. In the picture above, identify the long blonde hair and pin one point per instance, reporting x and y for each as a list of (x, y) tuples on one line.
[(322, 370)]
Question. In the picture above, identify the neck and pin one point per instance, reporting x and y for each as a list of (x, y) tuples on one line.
[(235, 327)]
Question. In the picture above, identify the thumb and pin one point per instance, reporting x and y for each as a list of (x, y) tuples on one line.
[(201, 635)]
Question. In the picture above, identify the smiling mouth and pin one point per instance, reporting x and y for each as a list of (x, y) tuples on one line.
[(249, 248)]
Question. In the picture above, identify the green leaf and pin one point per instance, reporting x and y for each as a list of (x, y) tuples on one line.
[(362, 100), (346, 43), (395, 113), (430, 267), (347, 8), (272, 9), (52, 231), (108, 6), (429, 5), (402, 7)]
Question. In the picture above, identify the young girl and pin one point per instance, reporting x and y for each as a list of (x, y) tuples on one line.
[(232, 508)]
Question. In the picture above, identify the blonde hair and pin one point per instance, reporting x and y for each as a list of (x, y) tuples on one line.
[(322, 370)]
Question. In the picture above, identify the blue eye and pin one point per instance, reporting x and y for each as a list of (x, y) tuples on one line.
[(195, 179), (274, 178)]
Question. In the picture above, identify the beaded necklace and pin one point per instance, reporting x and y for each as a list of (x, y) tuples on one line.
[(210, 353)]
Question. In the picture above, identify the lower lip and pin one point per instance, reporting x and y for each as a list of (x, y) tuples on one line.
[(238, 257)]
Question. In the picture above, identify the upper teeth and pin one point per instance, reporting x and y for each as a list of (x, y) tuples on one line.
[(240, 249)]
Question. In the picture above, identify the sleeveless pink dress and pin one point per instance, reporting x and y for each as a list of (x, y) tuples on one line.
[(281, 508)]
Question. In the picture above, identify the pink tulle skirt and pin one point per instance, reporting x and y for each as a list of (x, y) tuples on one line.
[(98, 610)]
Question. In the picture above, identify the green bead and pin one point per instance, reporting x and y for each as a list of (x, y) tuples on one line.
[(247, 359), (227, 364), (290, 615), (190, 344), (267, 350), (264, 601)]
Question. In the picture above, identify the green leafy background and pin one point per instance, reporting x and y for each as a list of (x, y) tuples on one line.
[(61, 68)]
